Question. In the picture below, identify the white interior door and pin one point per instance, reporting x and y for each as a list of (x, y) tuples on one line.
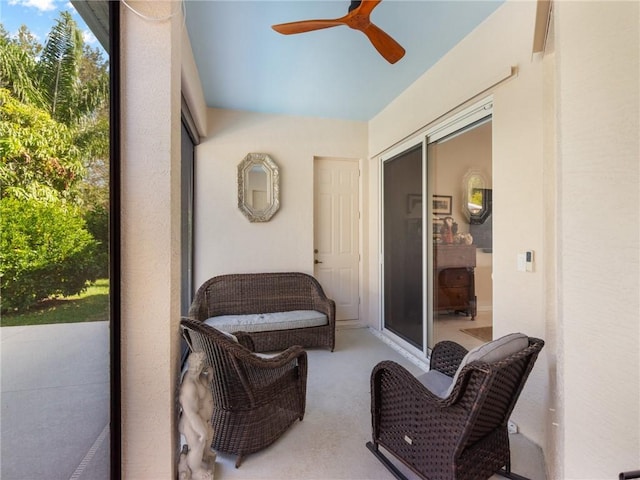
[(336, 220)]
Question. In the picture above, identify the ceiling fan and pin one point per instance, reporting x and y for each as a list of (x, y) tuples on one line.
[(358, 19)]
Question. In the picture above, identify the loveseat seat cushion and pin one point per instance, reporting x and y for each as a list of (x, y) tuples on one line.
[(260, 322)]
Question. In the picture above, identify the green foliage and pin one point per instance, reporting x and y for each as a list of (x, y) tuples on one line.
[(54, 160), (97, 220), (45, 250), (37, 154), (71, 75), (58, 67), (91, 305), (17, 70), (93, 141)]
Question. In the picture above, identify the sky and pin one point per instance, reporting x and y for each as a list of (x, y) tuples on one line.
[(39, 16)]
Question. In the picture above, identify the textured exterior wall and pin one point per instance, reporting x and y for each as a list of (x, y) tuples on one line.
[(150, 223), (597, 45)]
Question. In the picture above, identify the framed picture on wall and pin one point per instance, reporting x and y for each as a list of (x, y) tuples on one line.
[(442, 204)]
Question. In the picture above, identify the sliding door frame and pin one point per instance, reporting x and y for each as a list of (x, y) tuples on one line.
[(114, 242), (453, 125), (388, 156), (467, 119)]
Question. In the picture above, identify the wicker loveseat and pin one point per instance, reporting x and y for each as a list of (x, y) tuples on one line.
[(278, 309)]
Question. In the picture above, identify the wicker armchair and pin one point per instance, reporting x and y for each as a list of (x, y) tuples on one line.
[(255, 399), (460, 433)]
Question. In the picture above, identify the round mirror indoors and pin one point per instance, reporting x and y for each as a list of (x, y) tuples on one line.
[(258, 187)]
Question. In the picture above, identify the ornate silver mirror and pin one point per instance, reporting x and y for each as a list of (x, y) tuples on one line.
[(476, 201), (258, 187)]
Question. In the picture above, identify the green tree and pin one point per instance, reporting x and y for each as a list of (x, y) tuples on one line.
[(75, 79), (18, 66), (38, 158), (54, 152), (45, 251), (70, 74)]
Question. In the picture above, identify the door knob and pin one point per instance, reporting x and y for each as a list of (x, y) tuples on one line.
[(317, 261)]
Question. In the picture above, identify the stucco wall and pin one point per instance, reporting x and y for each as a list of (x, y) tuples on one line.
[(150, 239), (225, 241), (518, 225), (598, 108)]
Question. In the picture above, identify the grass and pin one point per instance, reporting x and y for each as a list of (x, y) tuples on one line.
[(90, 306)]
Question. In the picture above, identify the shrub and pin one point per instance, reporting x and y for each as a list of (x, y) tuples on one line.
[(45, 250), (98, 225)]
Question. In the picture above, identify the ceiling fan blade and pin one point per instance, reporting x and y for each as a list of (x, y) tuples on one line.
[(391, 50), (358, 19), (305, 26)]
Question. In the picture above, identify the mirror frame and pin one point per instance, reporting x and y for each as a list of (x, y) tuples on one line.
[(273, 187), (471, 217)]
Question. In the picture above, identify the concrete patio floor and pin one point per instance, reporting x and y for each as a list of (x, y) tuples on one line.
[(54, 387), (54, 397)]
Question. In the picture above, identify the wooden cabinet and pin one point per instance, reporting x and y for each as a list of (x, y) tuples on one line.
[(453, 277)]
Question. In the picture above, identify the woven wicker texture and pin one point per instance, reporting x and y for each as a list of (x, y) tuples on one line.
[(251, 293), (255, 399), (463, 436)]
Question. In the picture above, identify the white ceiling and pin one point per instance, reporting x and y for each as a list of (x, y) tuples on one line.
[(330, 73)]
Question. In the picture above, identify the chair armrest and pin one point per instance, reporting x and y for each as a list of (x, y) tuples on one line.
[(198, 309), (389, 376), (447, 356), (279, 360), (245, 340), (324, 305), (264, 377)]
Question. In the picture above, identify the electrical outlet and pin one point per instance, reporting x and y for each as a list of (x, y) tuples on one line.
[(512, 427)]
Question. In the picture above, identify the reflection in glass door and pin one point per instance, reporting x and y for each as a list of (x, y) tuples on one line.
[(403, 310), (460, 179)]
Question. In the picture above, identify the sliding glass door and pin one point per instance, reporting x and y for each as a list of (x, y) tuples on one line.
[(403, 311), (436, 240)]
